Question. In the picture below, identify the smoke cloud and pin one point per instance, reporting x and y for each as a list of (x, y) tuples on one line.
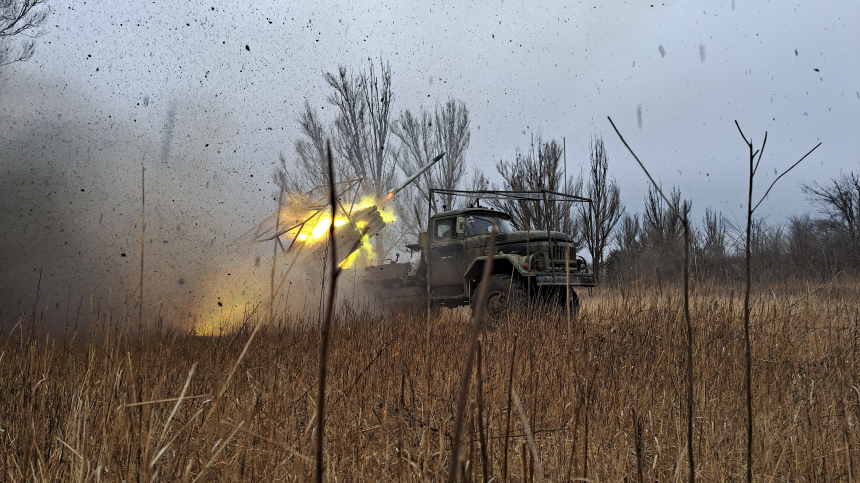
[(70, 224)]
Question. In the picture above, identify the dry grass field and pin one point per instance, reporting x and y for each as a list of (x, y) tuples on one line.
[(179, 407)]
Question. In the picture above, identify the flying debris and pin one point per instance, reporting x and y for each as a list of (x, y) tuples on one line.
[(303, 221), (301, 225)]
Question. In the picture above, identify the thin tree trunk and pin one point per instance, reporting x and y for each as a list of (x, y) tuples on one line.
[(689, 346), (326, 326), (747, 351), (275, 257)]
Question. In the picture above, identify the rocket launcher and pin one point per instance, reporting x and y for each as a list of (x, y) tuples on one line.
[(366, 222), (414, 176)]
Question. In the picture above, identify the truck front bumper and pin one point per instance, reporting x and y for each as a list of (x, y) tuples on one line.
[(576, 280)]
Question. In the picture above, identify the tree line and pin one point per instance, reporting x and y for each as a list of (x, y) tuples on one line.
[(373, 142), (810, 246)]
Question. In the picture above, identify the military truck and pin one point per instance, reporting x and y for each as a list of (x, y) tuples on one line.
[(529, 267)]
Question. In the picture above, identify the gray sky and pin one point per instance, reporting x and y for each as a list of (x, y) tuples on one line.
[(558, 68), (108, 78)]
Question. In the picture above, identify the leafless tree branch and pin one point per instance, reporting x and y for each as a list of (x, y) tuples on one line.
[(601, 216), (20, 18)]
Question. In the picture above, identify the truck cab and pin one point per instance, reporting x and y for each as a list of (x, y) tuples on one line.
[(458, 237)]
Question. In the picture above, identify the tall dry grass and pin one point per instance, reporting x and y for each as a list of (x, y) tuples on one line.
[(103, 408)]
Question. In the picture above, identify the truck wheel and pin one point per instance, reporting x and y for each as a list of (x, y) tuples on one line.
[(574, 303), (504, 293), (551, 301)]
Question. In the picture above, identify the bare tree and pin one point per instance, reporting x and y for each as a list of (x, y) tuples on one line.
[(839, 202), (20, 18), (539, 169), (628, 237), (378, 98), (422, 137), (713, 235), (601, 216), (363, 124), (417, 147), (309, 170), (350, 125), (712, 250), (623, 262), (663, 225), (660, 239), (754, 165), (360, 135), (478, 181), (363, 129), (452, 136), (807, 246)]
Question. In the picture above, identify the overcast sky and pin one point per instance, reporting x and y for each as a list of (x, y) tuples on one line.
[(206, 95), (558, 68)]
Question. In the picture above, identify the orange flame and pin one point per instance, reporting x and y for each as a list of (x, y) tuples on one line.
[(316, 225)]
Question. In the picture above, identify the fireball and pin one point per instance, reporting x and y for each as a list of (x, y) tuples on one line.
[(312, 227)]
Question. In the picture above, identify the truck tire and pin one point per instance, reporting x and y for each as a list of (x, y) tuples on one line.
[(551, 300), (574, 303), (503, 294)]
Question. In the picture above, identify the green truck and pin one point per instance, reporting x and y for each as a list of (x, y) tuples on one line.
[(529, 267)]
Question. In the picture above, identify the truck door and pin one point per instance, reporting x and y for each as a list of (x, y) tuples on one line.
[(447, 258)]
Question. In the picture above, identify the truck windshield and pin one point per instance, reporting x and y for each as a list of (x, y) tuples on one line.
[(480, 225)]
